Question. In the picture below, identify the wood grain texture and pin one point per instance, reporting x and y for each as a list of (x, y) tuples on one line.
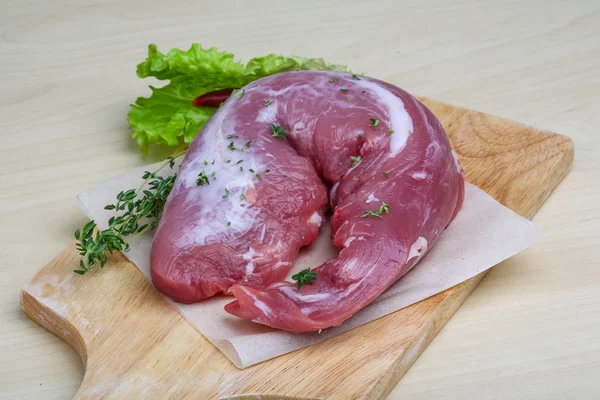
[(134, 344)]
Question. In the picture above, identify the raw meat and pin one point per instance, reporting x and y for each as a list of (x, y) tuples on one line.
[(211, 241)]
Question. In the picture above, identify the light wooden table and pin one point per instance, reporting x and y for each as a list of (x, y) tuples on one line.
[(67, 75)]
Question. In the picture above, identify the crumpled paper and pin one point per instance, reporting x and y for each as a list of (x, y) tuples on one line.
[(483, 234)]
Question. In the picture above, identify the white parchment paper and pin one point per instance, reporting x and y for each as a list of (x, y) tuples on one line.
[(483, 234)]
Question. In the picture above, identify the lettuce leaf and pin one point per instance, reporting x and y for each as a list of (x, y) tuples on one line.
[(168, 116)]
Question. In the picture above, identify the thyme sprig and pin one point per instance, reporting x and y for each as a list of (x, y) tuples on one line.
[(138, 211), (384, 208), (303, 277), (278, 131)]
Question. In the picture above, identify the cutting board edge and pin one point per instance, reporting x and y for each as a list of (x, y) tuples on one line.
[(425, 336), (54, 323)]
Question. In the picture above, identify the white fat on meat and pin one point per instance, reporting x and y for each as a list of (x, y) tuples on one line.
[(352, 239), (419, 176), (268, 114), (371, 198), (315, 219), (262, 232), (291, 292), (208, 223), (333, 191), (259, 304), (235, 216), (399, 120), (351, 265), (313, 298), (308, 298), (418, 248), (249, 256), (281, 263)]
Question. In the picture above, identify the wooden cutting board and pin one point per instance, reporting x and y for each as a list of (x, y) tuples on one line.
[(134, 344)]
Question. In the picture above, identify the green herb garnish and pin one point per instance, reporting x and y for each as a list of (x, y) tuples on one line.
[(232, 147), (141, 210), (355, 160), (374, 122), (278, 131), (202, 179), (305, 276), (239, 96), (386, 174), (355, 77), (384, 208), (268, 103), (390, 131)]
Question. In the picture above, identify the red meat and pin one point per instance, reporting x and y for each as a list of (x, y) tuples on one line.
[(260, 201)]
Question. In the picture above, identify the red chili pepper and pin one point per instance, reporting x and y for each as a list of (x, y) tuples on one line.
[(212, 99)]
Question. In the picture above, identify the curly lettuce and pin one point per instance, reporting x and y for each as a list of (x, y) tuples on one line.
[(168, 116)]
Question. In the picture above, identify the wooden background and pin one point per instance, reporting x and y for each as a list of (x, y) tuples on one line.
[(67, 74)]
